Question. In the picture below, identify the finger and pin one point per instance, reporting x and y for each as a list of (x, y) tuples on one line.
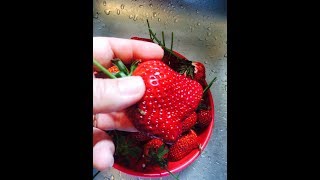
[(116, 94), (103, 150), (114, 121), (107, 48)]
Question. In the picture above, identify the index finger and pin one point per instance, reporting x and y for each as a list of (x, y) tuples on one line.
[(107, 48)]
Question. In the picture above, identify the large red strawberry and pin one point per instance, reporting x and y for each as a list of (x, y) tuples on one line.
[(183, 146), (169, 98), (189, 122)]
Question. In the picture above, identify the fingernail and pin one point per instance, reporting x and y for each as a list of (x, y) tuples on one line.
[(131, 85)]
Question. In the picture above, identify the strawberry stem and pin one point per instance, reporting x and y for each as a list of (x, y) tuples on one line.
[(164, 43), (122, 68), (120, 74), (175, 177), (153, 37), (108, 73), (149, 29), (134, 65), (171, 41), (208, 87)]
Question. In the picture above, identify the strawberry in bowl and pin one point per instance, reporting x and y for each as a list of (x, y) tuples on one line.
[(175, 117)]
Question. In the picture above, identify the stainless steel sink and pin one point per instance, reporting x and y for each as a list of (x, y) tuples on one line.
[(200, 33)]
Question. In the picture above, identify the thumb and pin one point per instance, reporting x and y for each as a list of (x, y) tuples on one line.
[(116, 94)]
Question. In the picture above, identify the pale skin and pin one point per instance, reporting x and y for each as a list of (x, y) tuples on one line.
[(112, 96)]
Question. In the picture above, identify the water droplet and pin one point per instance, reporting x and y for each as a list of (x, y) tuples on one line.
[(130, 16), (159, 19), (141, 6), (206, 62), (209, 28), (181, 7), (225, 73), (154, 14), (122, 6), (112, 177), (99, 28), (135, 17), (175, 20), (191, 28), (104, 3), (150, 5), (118, 11), (172, 6), (215, 38), (225, 55), (107, 12), (198, 24), (103, 25), (197, 11), (209, 33)]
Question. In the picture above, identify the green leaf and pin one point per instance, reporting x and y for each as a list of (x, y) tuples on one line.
[(135, 151), (161, 148), (208, 87), (160, 155)]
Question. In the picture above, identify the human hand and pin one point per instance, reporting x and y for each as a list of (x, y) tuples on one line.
[(112, 96)]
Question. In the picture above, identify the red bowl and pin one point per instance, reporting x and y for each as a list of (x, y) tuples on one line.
[(174, 167)]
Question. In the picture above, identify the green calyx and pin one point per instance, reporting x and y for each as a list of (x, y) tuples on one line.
[(123, 70), (156, 157), (125, 149)]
